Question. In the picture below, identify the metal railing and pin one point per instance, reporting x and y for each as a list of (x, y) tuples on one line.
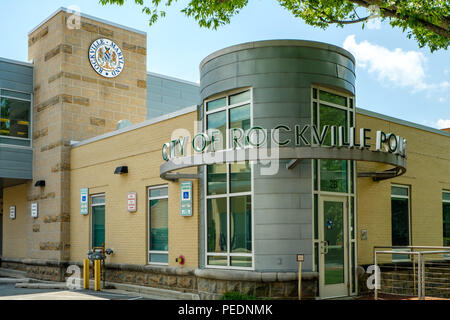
[(412, 271)]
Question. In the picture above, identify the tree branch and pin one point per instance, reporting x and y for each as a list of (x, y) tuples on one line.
[(442, 29)]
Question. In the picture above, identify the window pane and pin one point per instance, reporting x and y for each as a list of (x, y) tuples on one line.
[(98, 226), (446, 207), (333, 98), (314, 115), (159, 226), (241, 262), (316, 257), (314, 93), (400, 222), (316, 182), (446, 196), (399, 191), (158, 257), (217, 261), (240, 177), (216, 104), (14, 118), (333, 175), (332, 117), (161, 192), (241, 224), (446, 219), (217, 225), (316, 216), (217, 179), (240, 118), (98, 200), (240, 97), (218, 121)]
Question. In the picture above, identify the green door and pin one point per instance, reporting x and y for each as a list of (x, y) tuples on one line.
[(333, 247), (98, 220)]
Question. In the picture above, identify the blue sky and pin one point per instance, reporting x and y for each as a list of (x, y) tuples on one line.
[(394, 76)]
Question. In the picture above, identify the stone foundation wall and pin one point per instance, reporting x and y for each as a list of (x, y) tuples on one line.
[(208, 284), (37, 269)]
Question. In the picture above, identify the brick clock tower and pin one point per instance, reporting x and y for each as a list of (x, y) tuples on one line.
[(88, 75)]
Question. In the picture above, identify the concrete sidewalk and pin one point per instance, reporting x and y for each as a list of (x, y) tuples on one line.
[(19, 279)]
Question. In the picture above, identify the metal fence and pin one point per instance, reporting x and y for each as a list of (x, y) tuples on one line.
[(413, 272)]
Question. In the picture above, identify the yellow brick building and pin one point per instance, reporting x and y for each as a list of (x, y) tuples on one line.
[(282, 163)]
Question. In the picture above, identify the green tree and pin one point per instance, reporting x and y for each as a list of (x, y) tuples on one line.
[(427, 21)]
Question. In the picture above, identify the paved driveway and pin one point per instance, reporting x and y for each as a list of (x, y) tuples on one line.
[(9, 292)]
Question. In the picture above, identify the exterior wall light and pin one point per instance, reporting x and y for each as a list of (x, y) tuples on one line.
[(121, 170), (40, 183)]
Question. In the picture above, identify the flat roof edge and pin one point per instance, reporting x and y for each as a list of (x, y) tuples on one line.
[(22, 63), (277, 43), (159, 75), (136, 126), (87, 16), (402, 122)]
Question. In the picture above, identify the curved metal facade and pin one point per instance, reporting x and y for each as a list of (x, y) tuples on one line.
[(280, 73)]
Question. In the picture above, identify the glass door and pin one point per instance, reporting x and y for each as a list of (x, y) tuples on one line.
[(333, 235)]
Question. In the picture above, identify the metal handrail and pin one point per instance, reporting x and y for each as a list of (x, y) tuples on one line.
[(420, 262)]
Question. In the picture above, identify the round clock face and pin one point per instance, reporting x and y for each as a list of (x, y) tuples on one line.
[(106, 58)]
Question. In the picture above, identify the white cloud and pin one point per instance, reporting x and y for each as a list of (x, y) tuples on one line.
[(396, 67), (401, 68), (443, 123)]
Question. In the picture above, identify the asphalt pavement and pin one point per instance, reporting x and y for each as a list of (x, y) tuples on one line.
[(8, 291)]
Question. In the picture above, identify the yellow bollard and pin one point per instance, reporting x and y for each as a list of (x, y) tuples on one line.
[(97, 275), (86, 273)]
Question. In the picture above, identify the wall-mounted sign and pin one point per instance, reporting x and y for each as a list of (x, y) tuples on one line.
[(363, 234), (84, 201), (132, 202), (12, 212), (300, 257), (186, 198), (34, 210), (301, 136), (106, 58)]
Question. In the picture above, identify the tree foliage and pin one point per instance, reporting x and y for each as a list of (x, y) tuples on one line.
[(427, 21)]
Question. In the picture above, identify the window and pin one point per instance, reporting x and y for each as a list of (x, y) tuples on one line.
[(400, 215), (336, 177), (15, 116), (334, 110), (229, 189), (158, 225), (98, 220), (446, 216)]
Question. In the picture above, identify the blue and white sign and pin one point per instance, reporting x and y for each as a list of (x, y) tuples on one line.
[(106, 58), (84, 201), (34, 210), (186, 198)]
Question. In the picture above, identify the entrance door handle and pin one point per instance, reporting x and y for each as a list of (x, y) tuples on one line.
[(324, 247)]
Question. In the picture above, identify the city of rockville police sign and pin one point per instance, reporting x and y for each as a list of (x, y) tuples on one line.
[(106, 58), (299, 142)]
